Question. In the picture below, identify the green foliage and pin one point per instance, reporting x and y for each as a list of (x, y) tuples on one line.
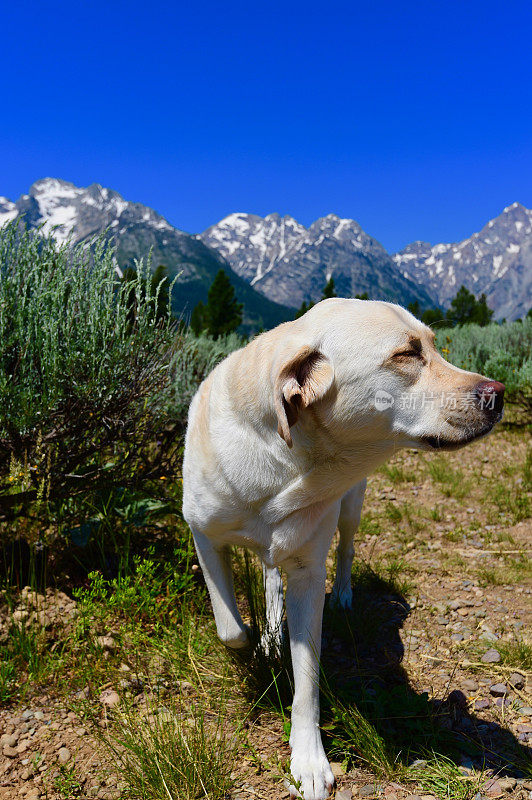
[(303, 308), (198, 319), (80, 381), (516, 653), (465, 308), (328, 289), (433, 316), (222, 314), (501, 352), (149, 592), (415, 309), (173, 752), (196, 357), (158, 300)]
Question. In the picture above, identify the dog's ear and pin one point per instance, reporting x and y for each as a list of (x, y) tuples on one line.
[(301, 381)]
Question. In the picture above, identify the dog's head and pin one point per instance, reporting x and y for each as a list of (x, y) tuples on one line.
[(369, 371)]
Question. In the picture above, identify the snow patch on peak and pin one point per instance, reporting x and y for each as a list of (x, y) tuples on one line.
[(55, 187), (8, 211)]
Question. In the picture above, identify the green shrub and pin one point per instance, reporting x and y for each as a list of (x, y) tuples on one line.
[(501, 352), (81, 377)]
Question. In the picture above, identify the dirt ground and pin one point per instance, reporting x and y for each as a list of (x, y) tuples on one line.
[(461, 546)]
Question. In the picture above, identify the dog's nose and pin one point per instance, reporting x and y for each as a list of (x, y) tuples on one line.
[(489, 396)]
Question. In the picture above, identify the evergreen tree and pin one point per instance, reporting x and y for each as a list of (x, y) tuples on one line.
[(414, 309), (465, 308), (223, 313), (483, 314), (198, 321), (303, 308), (432, 315), (363, 296), (462, 307), (328, 289)]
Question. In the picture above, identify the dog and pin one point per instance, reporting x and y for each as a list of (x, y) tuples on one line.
[(280, 439)]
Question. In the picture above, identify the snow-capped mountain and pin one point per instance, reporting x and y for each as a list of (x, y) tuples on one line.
[(276, 260), (290, 263), (71, 212), (497, 261)]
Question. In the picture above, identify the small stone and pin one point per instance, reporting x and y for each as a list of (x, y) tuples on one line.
[(39, 715), (369, 790), (507, 784), (469, 685), (491, 656), (343, 794), (10, 752), (110, 698), (492, 789), (481, 704), (8, 739), (516, 680), (107, 643), (498, 689), (63, 755), (526, 711), (337, 769)]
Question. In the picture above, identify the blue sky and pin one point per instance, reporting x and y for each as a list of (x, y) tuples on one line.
[(413, 118)]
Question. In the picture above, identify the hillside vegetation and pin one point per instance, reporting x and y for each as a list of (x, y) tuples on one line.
[(112, 682)]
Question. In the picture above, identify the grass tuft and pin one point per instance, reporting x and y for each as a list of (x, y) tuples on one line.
[(172, 752)]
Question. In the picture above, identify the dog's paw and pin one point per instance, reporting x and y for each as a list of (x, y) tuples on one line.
[(342, 598), (236, 638), (311, 774)]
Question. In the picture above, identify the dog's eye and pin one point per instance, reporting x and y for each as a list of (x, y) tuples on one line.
[(409, 354)]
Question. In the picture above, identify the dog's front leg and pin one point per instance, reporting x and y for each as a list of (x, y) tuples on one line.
[(273, 590), (348, 522), (312, 775), (216, 565)]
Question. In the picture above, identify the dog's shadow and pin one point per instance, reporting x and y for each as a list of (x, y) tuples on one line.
[(371, 710)]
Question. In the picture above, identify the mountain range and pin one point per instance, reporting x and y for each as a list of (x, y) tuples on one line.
[(496, 261), (275, 263), (290, 264), (79, 214)]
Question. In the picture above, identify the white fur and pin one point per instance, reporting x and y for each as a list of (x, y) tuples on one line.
[(281, 437)]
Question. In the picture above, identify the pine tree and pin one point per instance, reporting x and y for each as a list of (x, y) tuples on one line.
[(432, 315), (223, 314), (482, 315), (414, 308), (303, 308), (363, 296), (462, 307), (465, 308), (198, 322), (328, 289)]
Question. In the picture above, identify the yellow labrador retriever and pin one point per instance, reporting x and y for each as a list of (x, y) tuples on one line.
[(281, 436)]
